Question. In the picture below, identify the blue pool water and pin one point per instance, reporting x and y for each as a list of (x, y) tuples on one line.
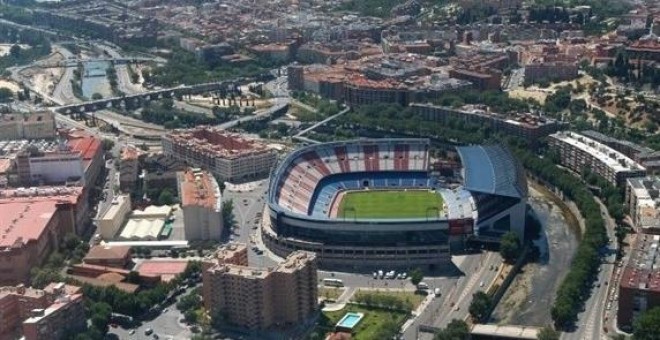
[(350, 320)]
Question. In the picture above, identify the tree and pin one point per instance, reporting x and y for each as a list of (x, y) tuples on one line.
[(133, 277), (480, 306), (456, 330), (510, 247), (6, 95), (100, 313), (71, 242), (15, 51), (647, 326), (416, 276), (166, 197), (228, 218), (190, 316), (97, 96), (107, 144), (547, 333)]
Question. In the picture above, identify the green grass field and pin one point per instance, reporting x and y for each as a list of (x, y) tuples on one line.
[(389, 204)]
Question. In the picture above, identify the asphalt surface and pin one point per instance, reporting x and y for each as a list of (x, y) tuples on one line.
[(591, 322), (249, 200), (527, 300), (477, 272), (166, 325)]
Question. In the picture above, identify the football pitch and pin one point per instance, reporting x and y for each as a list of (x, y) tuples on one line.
[(390, 204)]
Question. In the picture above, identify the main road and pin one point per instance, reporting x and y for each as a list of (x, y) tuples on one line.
[(591, 322), (475, 273)]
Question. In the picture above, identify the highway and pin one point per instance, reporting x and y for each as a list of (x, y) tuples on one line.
[(477, 273), (278, 103), (591, 322)]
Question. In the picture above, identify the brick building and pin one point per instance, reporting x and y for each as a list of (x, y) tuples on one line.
[(260, 298), (639, 288), (226, 155), (51, 313)]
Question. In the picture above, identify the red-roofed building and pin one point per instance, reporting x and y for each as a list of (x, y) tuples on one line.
[(167, 270), (227, 155), (91, 150), (30, 229)]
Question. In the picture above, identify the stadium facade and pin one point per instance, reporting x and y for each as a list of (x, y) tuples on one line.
[(482, 199)]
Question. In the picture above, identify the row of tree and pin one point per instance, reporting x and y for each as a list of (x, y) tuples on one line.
[(576, 287)]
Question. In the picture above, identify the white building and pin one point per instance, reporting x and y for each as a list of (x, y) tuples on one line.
[(643, 201), (58, 167), (578, 152), (145, 225), (112, 220)]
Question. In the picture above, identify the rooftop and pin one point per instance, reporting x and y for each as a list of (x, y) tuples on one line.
[(615, 160), (215, 141), (492, 170), (107, 252), (88, 146), (643, 269), (22, 222), (295, 261), (167, 269), (115, 207), (199, 188)]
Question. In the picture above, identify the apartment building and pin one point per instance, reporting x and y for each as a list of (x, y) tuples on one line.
[(260, 298), (128, 169), (38, 125), (643, 201), (483, 78), (551, 71), (201, 203), (226, 155), (51, 313), (578, 152), (639, 288), (524, 125)]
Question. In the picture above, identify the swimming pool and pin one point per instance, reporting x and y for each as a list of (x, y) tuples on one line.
[(350, 320)]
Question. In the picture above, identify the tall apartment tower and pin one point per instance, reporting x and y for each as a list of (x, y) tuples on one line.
[(259, 298)]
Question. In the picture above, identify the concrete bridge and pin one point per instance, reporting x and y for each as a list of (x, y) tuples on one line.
[(135, 101), (74, 62)]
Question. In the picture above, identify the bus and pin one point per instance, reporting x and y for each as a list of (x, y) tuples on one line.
[(333, 282)]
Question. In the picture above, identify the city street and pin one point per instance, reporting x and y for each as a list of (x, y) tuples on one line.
[(591, 322), (479, 270), (249, 202)]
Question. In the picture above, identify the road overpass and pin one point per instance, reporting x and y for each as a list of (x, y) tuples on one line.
[(76, 61), (136, 100)]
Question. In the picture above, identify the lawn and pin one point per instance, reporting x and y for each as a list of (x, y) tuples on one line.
[(377, 323), (408, 298), (390, 204), (330, 293)]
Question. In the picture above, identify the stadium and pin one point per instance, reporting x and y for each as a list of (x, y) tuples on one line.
[(387, 203)]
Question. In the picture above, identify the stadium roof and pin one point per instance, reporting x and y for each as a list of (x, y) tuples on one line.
[(492, 170)]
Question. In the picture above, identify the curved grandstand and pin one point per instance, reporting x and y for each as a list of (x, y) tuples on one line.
[(376, 203)]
